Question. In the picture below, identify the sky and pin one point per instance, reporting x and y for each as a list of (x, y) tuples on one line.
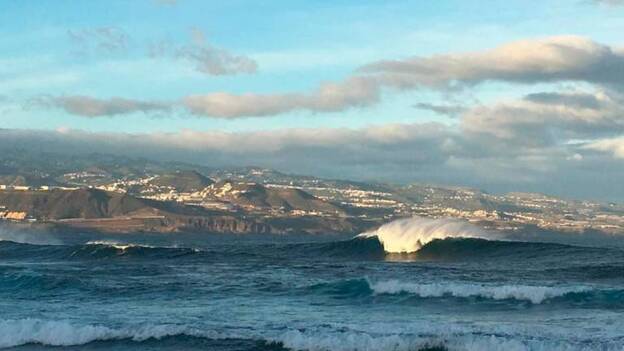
[(499, 95)]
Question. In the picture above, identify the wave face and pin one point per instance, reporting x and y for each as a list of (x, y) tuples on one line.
[(411, 234)]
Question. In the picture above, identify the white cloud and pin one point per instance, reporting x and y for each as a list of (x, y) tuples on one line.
[(328, 97), (563, 58), (614, 146), (548, 118), (566, 58), (91, 107), (207, 58)]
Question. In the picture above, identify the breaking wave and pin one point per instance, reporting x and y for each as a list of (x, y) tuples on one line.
[(110, 249), (534, 294), (452, 339), (425, 337), (63, 333), (117, 245), (411, 234)]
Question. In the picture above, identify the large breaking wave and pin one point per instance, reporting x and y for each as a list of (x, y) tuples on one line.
[(411, 234)]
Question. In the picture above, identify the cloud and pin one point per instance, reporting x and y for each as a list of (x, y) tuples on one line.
[(107, 40), (566, 58), (425, 152), (329, 97), (614, 146), (207, 59), (548, 118), (529, 61), (562, 58), (609, 2), (325, 150), (580, 100), (86, 106), (447, 110)]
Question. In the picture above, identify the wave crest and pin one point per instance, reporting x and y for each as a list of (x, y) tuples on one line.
[(117, 245), (534, 294), (417, 336), (411, 234), (63, 333)]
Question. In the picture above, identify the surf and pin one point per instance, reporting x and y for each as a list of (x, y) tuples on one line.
[(409, 235), (417, 337)]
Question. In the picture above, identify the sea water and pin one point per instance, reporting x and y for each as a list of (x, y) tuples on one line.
[(411, 285)]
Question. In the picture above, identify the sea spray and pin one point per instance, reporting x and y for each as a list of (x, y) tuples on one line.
[(411, 234), (27, 236)]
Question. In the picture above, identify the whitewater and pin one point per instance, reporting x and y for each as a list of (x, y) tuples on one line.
[(411, 234), (411, 284)]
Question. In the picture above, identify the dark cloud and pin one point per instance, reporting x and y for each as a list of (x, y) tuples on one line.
[(427, 152), (580, 100), (316, 151), (446, 110)]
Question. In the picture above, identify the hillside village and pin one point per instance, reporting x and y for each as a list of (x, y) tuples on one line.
[(270, 201)]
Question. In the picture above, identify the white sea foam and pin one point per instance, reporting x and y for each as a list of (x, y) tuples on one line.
[(411, 234), (327, 338), (63, 333), (56, 333), (532, 293), (125, 246), (366, 341), (116, 245)]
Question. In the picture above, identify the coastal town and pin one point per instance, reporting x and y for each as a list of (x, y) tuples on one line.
[(266, 193)]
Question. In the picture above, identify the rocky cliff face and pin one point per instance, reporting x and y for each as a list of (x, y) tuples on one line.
[(222, 224)]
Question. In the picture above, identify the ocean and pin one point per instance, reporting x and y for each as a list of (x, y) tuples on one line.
[(414, 284)]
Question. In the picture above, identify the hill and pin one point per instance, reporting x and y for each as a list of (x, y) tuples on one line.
[(259, 196), (182, 181), (82, 203), (102, 211)]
